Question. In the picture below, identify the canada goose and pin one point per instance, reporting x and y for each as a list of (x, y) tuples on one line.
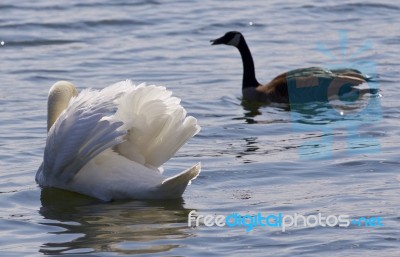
[(111, 143), (296, 86)]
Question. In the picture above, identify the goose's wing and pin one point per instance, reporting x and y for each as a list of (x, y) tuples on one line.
[(352, 73), (316, 84), (156, 123), (80, 133), (337, 81), (352, 76)]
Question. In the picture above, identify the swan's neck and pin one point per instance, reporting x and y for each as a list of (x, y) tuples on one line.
[(249, 75), (59, 96)]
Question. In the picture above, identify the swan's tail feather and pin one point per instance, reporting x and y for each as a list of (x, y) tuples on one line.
[(174, 187), (156, 123)]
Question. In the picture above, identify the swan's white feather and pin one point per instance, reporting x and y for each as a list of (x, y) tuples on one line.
[(127, 179), (110, 144), (69, 146), (156, 125)]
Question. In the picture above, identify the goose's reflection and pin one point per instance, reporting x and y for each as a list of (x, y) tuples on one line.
[(365, 109), (251, 147), (254, 109), (86, 225), (312, 128)]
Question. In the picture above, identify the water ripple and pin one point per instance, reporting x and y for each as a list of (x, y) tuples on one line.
[(255, 158)]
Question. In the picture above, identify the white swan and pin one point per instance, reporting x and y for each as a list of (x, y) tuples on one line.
[(111, 143)]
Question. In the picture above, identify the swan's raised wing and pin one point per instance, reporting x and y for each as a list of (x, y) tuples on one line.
[(157, 125), (81, 132)]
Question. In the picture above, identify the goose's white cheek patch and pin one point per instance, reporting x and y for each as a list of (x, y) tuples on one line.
[(234, 41)]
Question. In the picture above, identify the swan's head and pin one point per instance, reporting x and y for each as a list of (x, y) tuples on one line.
[(59, 96), (232, 38)]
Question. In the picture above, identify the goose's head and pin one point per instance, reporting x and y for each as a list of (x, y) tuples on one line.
[(59, 96), (232, 38)]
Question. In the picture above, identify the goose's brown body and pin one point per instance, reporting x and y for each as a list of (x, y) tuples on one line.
[(291, 86)]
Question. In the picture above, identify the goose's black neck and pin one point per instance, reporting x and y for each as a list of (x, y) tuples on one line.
[(249, 75)]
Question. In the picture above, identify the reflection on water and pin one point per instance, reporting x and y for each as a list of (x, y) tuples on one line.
[(253, 155), (253, 109), (250, 147), (318, 129), (335, 126), (127, 227), (366, 108)]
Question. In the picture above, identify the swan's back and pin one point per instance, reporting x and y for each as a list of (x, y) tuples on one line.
[(111, 143)]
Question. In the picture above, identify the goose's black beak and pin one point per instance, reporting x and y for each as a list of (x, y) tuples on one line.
[(217, 41)]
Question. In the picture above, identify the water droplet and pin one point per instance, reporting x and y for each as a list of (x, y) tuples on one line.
[(251, 23), (2, 43)]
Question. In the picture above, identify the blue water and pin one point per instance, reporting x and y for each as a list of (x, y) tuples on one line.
[(256, 159)]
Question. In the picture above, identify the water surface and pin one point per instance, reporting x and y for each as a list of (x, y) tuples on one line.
[(255, 158)]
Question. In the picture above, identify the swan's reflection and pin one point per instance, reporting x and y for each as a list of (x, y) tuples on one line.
[(86, 225)]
